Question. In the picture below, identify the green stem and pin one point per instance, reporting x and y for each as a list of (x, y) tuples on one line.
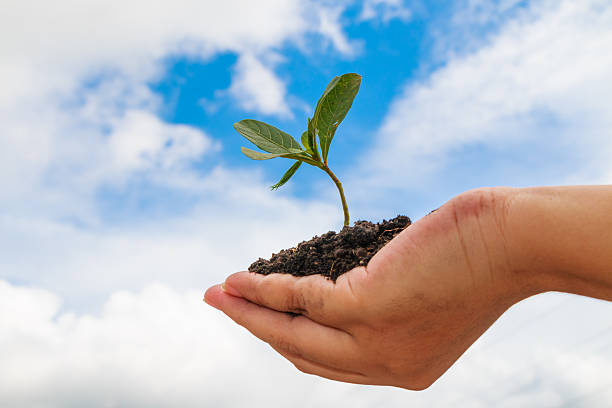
[(341, 191)]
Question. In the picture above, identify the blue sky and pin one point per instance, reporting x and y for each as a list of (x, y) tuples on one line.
[(125, 193)]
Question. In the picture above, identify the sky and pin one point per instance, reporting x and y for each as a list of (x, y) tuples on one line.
[(125, 195)]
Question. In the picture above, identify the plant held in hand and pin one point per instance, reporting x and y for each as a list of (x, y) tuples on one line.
[(331, 109), (330, 254)]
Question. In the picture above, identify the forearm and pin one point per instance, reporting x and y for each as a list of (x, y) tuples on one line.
[(562, 238)]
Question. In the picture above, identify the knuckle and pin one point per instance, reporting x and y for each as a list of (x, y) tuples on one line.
[(475, 202), (348, 288), (281, 295), (483, 201), (296, 302), (305, 298)]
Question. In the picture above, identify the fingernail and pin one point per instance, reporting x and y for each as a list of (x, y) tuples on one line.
[(229, 290), (210, 302)]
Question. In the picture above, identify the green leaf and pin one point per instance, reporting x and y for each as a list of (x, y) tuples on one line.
[(306, 142), (331, 84), (266, 137), (301, 156), (255, 155), (288, 174), (332, 108), (312, 140)]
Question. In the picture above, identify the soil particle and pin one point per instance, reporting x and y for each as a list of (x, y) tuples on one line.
[(333, 254)]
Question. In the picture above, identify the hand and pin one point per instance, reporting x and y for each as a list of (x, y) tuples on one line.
[(405, 318)]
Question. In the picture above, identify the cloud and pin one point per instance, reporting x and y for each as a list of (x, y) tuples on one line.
[(210, 227), (153, 348), (385, 10), (110, 38), (60, 161), (543, 80), (141, 142), (162, 347), (257, 89), (127, 41), (330, 27)]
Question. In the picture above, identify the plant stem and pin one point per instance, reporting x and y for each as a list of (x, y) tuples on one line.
[(341, 191)]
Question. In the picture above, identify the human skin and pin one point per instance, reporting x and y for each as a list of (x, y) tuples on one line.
[(425, 297)]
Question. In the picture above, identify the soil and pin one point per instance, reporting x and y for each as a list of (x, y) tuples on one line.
[(333, 254)]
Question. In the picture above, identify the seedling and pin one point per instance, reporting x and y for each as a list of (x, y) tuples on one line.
[(330, 254), (331, 109)]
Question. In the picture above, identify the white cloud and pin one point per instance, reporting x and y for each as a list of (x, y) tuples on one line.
[(230, 219), (546, 76), (479, 13), (330, 27), (102, 36), (256, 88), (166, 348), (153, 348), (59, 161), (385, 10), (140, 142), (76, 42)]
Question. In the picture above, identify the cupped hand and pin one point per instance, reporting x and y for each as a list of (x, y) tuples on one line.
[(405, 318)]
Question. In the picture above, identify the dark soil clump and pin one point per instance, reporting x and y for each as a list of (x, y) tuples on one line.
[(333, 254)]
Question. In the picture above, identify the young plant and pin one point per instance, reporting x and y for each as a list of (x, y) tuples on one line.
[(331, 109)]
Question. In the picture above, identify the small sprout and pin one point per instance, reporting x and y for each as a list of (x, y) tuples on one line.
[(331, 109)]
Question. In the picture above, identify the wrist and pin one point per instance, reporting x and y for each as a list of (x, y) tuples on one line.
[(488, 227), (561, 239), (533, 266)]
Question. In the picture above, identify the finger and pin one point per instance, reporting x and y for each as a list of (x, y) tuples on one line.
[(314, 296), (323, 370), (297, 335)]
